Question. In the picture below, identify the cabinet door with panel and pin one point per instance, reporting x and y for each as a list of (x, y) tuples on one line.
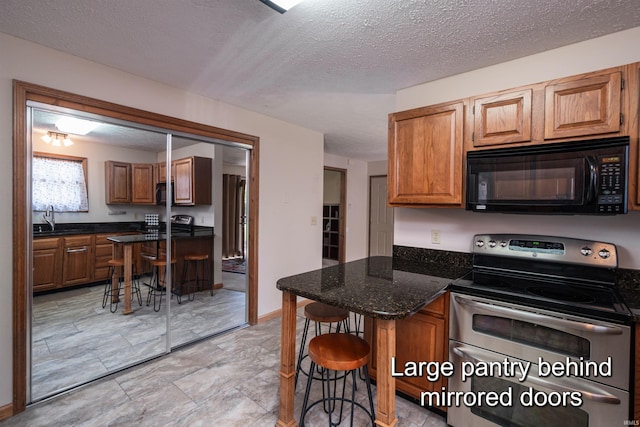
[(502, 118), (425, 156), (584, 105), (192, 180), (77, 260), (47, 263), (422, 337), (142, 186), (117, 182)]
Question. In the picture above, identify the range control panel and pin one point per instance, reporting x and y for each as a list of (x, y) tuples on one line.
[(548, 248)]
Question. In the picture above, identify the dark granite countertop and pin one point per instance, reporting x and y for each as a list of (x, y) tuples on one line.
[(628, 286), (381, 287), (151, 237), (70, 229)]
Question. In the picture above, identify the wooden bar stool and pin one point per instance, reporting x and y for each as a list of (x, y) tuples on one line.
[(338, 352), (319, 313), (157, 287), (195, 272), (113, 294)]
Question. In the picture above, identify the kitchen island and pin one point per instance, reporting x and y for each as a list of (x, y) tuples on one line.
[(200, 238), (383, 288)]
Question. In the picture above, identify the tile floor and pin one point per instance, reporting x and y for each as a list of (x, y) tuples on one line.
[(230, 380), (76, 340)]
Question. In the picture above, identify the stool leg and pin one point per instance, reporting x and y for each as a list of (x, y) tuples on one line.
[(307, 391), (365, 368), (113, 306), (301, 351), (107, 287)]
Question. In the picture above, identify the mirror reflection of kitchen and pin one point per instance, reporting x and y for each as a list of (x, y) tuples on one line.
[(111, 181)]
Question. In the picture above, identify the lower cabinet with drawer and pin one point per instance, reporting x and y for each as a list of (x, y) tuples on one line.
[(422, 337), (47, 263), (77, 260)]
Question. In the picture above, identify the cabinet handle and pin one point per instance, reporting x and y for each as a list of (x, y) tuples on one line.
[(83, 249)]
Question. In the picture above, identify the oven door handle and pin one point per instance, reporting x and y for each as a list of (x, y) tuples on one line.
[(595, 394), (534, 317)]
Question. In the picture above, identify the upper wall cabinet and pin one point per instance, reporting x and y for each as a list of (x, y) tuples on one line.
[(129, 183), (425, 156), (117, 182), (502, 119), (192, 180), (583, 105), (142, 186)]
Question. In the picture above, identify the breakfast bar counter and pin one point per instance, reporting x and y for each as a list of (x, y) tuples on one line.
[(383, 288)]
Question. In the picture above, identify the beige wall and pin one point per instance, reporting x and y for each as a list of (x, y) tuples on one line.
[(356, 227), (291, 166), (412, 227)]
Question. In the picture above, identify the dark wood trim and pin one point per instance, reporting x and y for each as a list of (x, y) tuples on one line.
[(23, 92), (6, 411), (342, 241)]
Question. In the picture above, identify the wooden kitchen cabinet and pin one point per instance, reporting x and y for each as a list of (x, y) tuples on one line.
[(192, 177), (117, 182), (584, 105), (47, 264), (502, 118), (142, 184), (426, 156), (77, 260), (423, 337)]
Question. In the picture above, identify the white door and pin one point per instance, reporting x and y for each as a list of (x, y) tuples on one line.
[(380, 218)]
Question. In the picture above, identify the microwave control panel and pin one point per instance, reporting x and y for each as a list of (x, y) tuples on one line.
[(611, 188)]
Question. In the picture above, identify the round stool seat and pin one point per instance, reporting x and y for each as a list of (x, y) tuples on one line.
[(339, 351), (161, 262), (116, 263), (320, 312), (196, 257)]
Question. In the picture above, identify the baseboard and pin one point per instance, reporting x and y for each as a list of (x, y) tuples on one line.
[(278, 313), (6, 411), (217, 286)]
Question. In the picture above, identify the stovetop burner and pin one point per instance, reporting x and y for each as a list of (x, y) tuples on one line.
[(559, 274), (559, 294)]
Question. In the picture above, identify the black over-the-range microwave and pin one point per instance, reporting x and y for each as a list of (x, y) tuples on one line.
[(578, 177)]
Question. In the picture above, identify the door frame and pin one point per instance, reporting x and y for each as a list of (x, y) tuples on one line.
[(23, 92), (343, 212)]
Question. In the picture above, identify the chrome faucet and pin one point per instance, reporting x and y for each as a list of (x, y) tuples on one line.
[(49, 217)]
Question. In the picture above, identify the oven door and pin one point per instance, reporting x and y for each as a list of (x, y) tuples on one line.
[(530, 334), (534, 402)]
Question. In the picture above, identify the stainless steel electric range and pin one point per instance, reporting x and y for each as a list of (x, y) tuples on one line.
[(548, 304)]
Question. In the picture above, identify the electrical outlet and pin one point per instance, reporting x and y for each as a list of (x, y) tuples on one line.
[(435, 237)]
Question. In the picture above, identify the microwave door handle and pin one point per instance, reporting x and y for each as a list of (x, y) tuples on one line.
[(592, 178)]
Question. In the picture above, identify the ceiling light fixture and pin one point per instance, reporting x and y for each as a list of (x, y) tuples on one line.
[(57, 139), (75, 126), (281, 5)]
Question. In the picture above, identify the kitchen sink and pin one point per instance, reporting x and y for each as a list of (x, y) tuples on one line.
[(60, 232)]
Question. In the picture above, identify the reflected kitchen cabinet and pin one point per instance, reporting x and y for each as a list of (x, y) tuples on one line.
[(142, 187), (47, 263), (192, 180), (117, 182), (77, 260), (127, 183)]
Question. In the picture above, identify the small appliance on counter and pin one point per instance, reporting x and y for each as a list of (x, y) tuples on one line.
[(182, 223)]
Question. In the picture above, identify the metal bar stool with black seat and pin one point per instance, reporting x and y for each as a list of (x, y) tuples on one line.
[(113, 294), (338, 352), (319, 313), (194, 273), (157, 286)]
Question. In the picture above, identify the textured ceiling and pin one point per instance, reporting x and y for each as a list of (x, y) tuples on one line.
[(328, 65)]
